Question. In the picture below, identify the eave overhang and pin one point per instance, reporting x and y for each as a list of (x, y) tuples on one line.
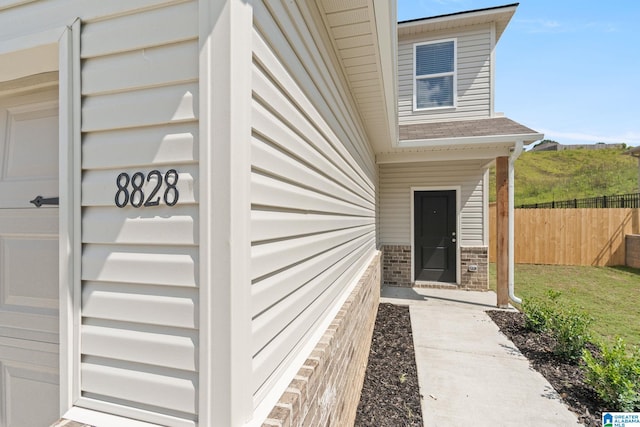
[(470, 140), (500, 15), (487, 153), (458, 140), (363, 34)]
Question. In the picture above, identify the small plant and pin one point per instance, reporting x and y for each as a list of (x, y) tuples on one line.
[(403, 378), (568, 325), (615, 375), (539, 313), (409, 412), (570, 328)]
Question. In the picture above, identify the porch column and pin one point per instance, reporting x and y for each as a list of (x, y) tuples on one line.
[(502, 231)]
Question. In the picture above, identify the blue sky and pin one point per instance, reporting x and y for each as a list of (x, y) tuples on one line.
[(567, 68)]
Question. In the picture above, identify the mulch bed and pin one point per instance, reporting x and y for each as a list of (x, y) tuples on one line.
[(390, 396), (567, 379)]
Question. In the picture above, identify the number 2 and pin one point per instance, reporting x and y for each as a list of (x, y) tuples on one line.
[(158, 176)]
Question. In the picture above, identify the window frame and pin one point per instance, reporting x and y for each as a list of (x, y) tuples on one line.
[(453, 73)]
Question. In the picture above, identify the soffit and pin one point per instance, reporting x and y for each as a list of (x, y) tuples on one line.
[(364, 38)]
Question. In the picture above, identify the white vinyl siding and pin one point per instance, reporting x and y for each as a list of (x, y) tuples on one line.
[(473, 80), (139, 332), (32, 16), (312, 193), (396, 181), (435, 75)]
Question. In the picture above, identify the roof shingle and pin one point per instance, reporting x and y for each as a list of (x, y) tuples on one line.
[(463, 129)]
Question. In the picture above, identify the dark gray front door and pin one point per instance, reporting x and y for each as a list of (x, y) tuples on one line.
[(435, 235)]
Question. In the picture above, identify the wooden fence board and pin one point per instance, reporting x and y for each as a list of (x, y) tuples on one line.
[(569, 236)]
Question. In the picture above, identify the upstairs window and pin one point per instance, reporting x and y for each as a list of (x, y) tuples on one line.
[(434, 75)]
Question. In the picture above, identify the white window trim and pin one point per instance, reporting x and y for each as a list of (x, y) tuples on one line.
[(453, 73), (458, 190)]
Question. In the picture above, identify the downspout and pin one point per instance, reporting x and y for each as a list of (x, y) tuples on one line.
[(517, 150)]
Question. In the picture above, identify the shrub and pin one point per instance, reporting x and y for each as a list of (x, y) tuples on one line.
[(615, 375), (570, 328), (568, 325), (539, 313)]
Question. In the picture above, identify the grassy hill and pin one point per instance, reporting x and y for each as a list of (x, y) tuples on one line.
[(545, 176)]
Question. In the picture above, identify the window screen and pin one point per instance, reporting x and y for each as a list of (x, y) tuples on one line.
[(435, 69)]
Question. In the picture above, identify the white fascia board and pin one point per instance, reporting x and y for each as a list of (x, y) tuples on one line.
[(387, 35), (488, 154), (470, 140), (490, 14)]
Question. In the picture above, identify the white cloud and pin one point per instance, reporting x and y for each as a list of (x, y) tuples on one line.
[(603, 27), (536, 26), (540, 25)]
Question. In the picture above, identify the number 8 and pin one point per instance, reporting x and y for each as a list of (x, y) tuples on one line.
[(171, 187), (122, 189), (137, 196)]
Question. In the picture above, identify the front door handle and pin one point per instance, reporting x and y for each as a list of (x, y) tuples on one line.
[(39, 201)]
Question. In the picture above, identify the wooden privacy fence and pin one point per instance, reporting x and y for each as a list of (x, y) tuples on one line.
[(569, 236)]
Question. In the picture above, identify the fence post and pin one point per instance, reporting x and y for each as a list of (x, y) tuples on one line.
[(604, 201)]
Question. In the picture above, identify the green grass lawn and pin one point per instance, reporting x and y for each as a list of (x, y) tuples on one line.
[(611, 295)]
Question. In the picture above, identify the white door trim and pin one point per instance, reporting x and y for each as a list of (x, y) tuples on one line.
[(58, 50), (458, 190), (70, 214)]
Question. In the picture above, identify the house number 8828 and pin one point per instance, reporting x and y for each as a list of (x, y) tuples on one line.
[(130, 189)]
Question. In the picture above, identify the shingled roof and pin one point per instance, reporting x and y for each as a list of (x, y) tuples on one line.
[(498, 126)]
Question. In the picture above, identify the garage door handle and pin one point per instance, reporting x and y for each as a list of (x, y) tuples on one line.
[(39, 201)]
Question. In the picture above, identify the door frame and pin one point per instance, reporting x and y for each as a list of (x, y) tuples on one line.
[(58, 49), (413, 190)]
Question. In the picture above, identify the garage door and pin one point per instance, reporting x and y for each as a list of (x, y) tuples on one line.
[(29, 383)]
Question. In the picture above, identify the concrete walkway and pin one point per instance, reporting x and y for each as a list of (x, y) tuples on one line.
[(469, 373)]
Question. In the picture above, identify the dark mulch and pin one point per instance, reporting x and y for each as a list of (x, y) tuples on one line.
[(567, 379), (390, 395)]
